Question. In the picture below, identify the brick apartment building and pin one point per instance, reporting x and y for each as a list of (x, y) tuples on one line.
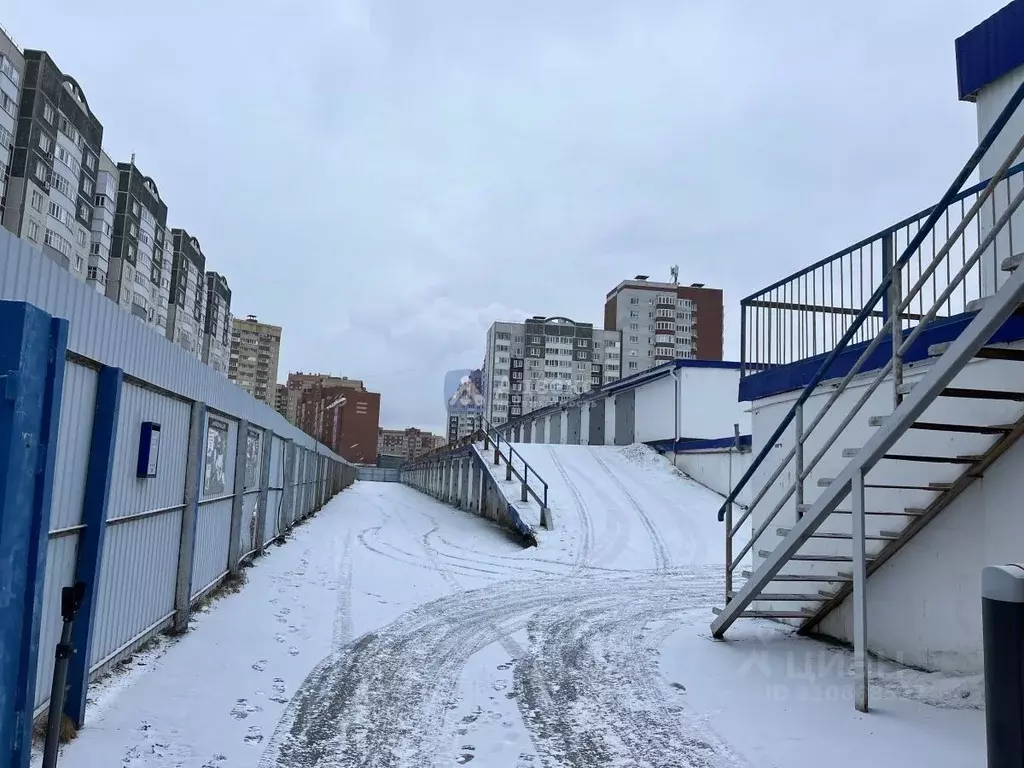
[(408, 443), (344, 418), (289, 395), (664, 321)]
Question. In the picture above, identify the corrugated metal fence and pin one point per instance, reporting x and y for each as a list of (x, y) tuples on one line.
[(256, 473)]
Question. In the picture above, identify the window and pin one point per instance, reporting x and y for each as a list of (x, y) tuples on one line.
[(634, 300), (66, 158), (33, 230), (81, 237), (62, 185), (634, 327), (134, 228), (8, 105), (89, 159), (634, 313), (45, 143), (87, 187), (135, 208), (78, 263), (634, 339), (41, 172), (37, 201), (6, 138), (48, 114), (94, 249)]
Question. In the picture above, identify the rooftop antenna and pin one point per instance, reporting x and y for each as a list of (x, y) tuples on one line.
[(674, 271)]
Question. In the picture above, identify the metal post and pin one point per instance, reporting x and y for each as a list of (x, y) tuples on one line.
[(728, 522), (261, 508), (526, 474), (288, 501), (860, 632), (70, 601), (890, 311), (798, 456), (1002, 622), (189, 517), (235, 539)]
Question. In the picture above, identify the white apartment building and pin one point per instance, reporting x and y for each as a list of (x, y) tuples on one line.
[(217, 324), (138, 275), (102, 236), (52, 178), (12, 65), (187, 315), (544, 361)]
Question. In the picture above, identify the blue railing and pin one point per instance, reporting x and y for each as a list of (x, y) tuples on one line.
[(810, 312)]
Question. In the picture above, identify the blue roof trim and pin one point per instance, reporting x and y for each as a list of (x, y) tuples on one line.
[(686, 445), (795, 376), (990, 50)]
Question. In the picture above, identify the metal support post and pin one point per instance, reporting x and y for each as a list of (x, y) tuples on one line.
[(261, 507), (891, 312), (860, 632), (728, 521), (288, 502), (235, 538), (70, 601), (189, 517), (798, 456)]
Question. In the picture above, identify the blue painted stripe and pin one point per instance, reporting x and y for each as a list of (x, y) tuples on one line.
[(90, 541), (684, 445), (992, 49), (787, 378)]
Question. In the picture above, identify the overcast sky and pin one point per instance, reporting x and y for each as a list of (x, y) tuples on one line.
[(384, 178)]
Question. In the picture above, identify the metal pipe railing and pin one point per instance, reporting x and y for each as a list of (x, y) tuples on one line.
[(895, 304)]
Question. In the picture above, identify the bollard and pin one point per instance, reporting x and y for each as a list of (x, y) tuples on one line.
[(1002, 620)]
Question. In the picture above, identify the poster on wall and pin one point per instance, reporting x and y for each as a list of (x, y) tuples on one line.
[(215, 476), (252, 458)]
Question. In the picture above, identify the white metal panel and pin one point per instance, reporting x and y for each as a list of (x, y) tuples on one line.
[(272, 522), (60, 572), (656, 409), (247, 531), (78, 404), (129, 494), (213, 532), (137, 577), (102, 331)]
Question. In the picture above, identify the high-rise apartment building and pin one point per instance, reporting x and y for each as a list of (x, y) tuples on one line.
[(664, 321), (465, 407), (217, 323), (187, 302), (344, 418), (543, 361), (101, 238), (299, 383), (138, 274), (407, 444), (52, 178), (12, 68), (252, 364)]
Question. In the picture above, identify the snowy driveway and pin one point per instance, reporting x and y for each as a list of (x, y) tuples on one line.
[(392, 630)]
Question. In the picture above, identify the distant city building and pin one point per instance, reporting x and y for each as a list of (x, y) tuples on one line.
[(543, 361), (101, 238), (255, 348), (299, 382), (344, 418), (217, 323), (186, 317), (407, 444), (12, 69), (465, 406), (139, 271), (281, 400), (664, 321), (52, 178)]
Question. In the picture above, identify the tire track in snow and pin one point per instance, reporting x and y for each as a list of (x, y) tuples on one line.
[(661, 556), (586, 524)]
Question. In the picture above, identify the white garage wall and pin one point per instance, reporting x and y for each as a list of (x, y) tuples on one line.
[(708, 407), (656, 410)]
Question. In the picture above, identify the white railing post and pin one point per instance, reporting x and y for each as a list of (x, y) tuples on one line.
[(798, 458)]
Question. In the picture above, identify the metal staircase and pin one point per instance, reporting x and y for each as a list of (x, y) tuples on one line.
[(936, 425)]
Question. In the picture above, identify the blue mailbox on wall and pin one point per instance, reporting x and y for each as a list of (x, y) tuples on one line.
[(149, 449)]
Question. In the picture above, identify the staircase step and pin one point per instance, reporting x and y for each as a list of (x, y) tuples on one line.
[(975, 305), (767, 614), (813, 558), (986, 353), (882, 536), (789, 597), (936, 487), (802, 577), (910, 512), (974, 429), (1010, 263), (966, 459), (982, 394)]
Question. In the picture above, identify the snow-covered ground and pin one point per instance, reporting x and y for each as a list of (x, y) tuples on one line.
[(392, 630)]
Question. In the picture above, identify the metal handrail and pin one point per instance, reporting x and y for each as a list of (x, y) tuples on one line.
[(495, 435), (888, 291)]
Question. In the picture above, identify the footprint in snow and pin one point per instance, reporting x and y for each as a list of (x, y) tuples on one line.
[(278, 685), (260, 665), (293, 651), (254, 736), (465, 758), (215, 762), (243, 708)]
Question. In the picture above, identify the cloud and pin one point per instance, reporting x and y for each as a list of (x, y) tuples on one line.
[(386, 178)]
